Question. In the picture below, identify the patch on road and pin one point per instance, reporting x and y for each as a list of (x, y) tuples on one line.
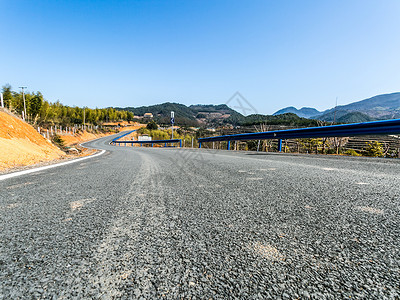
[(77, 205), (19, 185), (10, 206), (267, 251), (370, 210)]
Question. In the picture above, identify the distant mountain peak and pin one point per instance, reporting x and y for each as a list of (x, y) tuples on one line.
[(304, 112), (385, 106)]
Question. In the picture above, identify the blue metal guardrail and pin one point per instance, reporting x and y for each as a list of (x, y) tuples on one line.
[(367, 128), (165, 142), (116, 141), (118, 137)]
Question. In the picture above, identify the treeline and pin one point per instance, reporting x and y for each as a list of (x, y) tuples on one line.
[(288, 119), (43, 112)]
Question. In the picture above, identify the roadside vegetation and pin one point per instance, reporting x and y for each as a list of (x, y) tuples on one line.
[(45, 113)]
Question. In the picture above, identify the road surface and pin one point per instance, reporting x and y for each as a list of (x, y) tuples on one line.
[(167, 223)]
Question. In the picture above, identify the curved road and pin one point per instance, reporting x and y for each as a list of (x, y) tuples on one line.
[(170, 223)]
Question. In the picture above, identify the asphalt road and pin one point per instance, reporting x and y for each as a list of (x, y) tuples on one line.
[(169, 223)]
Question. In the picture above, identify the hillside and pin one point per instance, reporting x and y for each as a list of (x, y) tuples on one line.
[(22, 145), (385, 106), (214, 115), (304, 112), (194, 115), (162, 113), (287, 119), (345, 116)]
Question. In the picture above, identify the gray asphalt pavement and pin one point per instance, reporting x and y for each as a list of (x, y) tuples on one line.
[(156, 223)]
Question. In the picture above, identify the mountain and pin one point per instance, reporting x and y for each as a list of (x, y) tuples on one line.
[(354, 117), (304, 112), (162, 113), (344, 116), (213, 115), (385, 106), (193, 115)]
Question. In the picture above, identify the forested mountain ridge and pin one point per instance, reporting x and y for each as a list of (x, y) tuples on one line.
[(385, 106), (213, 115)]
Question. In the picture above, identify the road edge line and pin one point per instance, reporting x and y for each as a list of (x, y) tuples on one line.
[(25, 172)]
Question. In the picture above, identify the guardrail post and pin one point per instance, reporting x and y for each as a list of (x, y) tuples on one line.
[(180, 143), (280, 145), (199, 144), (151, 144), (229, 145)]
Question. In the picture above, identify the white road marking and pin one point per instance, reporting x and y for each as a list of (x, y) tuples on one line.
[(20, 173), (329, 169)]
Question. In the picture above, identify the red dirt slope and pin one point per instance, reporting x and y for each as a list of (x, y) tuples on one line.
[(21, 144)]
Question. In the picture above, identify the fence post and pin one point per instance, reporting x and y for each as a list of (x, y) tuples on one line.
[(280, 145), (229, 145), (180, 143), (199, 144)]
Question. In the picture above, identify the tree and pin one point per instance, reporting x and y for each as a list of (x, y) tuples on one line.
[(7, 95), (152, 125), (35, 104)]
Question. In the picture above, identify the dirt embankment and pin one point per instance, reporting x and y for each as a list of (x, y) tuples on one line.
[(21, 144)]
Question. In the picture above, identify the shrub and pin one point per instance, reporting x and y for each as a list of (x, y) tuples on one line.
[(352, 152), (58, 141), (152, 125), (374, 149)]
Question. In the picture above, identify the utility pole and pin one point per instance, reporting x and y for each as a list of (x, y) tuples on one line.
[(23, 97)]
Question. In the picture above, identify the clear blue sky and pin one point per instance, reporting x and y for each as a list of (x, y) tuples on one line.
[(133, 53)]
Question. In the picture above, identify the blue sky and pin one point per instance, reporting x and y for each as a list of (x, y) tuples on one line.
[(133, 53)]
